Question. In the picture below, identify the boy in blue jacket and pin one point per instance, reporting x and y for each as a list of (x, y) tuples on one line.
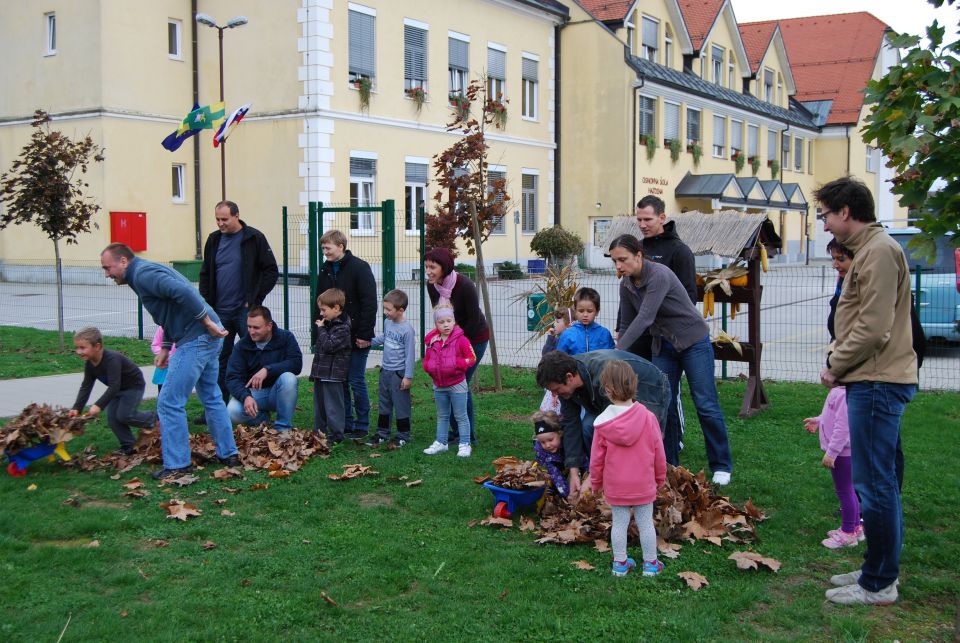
[(585, 334)]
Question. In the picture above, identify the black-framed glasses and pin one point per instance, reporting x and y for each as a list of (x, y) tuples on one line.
[(823, 215)]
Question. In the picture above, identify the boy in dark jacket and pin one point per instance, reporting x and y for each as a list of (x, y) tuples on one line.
[(331, 362)]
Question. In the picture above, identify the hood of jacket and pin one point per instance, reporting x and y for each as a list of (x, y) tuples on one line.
[(434, 336), (669, 232), (625, 428)]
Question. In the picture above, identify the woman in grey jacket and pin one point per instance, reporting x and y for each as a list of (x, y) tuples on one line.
[(652, 298)]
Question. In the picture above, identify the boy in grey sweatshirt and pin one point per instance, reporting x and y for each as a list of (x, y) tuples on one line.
[(396, 370)]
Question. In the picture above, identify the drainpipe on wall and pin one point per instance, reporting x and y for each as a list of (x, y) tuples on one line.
[(556, 124), (633, 154), (198, 249), (849, 142)]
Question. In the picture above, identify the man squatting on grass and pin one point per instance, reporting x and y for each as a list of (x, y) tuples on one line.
[(192, 325), (873, 356)]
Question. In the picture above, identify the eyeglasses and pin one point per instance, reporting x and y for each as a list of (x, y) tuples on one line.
[(823, 215)]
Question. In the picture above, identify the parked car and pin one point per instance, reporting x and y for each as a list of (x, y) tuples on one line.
[(939, 296)]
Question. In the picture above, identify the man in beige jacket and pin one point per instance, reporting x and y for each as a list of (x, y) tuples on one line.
[(873, 357)]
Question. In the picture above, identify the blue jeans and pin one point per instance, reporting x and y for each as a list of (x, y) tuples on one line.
[(452, 401), (873, 412), (697, 362), (235, 323), (281, 397), (357, 408), (479, 349), (193, 365)]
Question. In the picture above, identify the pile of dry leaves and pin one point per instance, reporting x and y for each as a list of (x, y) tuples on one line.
[(513, 473), (40, 424), (259, 447)]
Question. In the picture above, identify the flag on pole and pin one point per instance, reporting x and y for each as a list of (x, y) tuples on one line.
[(206, 117), (229, 125), (178, 138)]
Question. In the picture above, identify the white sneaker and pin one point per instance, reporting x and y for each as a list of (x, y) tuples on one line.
[(851, 578), (857, 595), (721, 478), (464, 450), (435, 448)]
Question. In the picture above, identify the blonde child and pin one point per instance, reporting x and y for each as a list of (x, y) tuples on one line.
[(447, 357), (331, 361), (563, 318), (835, 442), (627, 463)]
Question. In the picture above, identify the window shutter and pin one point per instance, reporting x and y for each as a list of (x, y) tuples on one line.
[(363, 167), (496, 64), (529, 69), (693, 125), (671, 121), (771, 144), (414, 53), (362, 51), (736, 135), (650, 29), (752, 133), (647, 116), (459, 54), (719, 130), (416, 173)]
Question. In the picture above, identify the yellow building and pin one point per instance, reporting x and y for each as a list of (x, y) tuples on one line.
[(125, 77)]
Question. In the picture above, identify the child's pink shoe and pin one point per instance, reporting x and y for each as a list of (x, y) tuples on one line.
[(859, 532), (839, 539)]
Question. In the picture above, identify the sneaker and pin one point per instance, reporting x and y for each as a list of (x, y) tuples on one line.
[(355, 435), (400, 443), (850, 578), (721, 478), (652, 567), (125, 451), (859, 532), (170, 473), (839, 539), (464, 451), (856, 595), (230, 461), (435, 448), (622, 568), (375, 441)]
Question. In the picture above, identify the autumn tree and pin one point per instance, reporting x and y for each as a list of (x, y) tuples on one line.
[(915, 121), (46, 186), (469, 204)]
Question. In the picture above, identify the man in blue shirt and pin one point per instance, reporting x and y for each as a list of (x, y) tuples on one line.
[(189, 323)]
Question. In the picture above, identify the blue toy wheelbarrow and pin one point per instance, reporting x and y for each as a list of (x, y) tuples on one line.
[(506, 501)]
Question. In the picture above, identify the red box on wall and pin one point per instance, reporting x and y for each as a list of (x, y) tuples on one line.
[(129, 228)]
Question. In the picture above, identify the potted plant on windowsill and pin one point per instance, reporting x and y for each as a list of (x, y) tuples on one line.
[(363, 85), (693, 148), (754, 164), (499, 110), (739, 160), (418, 95), (674, 145), (774, 168), (460, 105), (650, 143)]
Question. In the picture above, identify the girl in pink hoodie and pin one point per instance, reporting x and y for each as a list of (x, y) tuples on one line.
[(627, 462), (447, 358)]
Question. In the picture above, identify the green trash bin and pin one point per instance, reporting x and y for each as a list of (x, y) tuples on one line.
[(536, 310), (189, 268)]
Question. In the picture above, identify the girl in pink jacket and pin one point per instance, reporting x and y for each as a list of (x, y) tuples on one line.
[(160, 374), (628, 464), (447, 357), (835, 442)]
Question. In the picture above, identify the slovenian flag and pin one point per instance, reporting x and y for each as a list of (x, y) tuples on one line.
[(228, 125)]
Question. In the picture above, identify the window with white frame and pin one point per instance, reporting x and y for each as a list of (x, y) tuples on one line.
[(459, 64), (648, 117), (870, 165), (753, 135), (667, 46), (768, 85), (362, 47), (798, 154), (631, 35), (651, 38), (785, 159), (716, 64), (173, 39), (671, 123), (530, 84), (415, 193), (414, 58), (771, 145), (809, 157), (731, 74), (496, 73), (719, 136), (178, 192), (693, 126), (497, 175), (363, 174), (51, 21), (528, 205), (779, 89), (736, 136)]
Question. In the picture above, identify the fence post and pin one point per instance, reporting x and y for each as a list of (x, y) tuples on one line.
[(139, 317), (312, 244), (916, 300), (723, 327), (421, 226), (388, 246), (286, 270)]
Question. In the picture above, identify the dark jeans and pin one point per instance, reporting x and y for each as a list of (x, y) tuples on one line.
[(357, 407), (235, 323), (697, 362), (479, 349), (874, 410), (122, 412)]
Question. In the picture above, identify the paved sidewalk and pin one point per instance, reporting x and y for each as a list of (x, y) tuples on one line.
[(55, 390)]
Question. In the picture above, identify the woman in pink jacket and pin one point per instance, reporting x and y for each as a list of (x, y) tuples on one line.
[(447, 358), (628, 464)]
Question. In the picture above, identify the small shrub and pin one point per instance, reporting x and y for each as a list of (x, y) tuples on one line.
[(556, 244), (510, 270), (466, 270)]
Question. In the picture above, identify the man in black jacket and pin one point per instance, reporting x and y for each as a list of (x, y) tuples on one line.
[(342, 270), (238, 272), (262, 372)]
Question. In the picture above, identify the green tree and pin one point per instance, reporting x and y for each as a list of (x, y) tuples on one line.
[(915, 121), (43, 187)]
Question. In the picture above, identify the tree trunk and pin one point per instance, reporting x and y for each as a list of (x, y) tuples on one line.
[(59, 268), (482, 278)]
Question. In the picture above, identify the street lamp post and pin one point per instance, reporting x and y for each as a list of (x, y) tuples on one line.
[(237, 21)]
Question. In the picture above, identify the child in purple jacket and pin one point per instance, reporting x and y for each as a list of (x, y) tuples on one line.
[(835, 442), (548, 445)]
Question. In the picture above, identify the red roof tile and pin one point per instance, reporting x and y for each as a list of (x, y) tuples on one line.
[(756, 40), (699, 16), (832, 58), (607, 10)]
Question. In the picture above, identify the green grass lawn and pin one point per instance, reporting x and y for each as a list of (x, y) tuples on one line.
[(28, 352), (402, 563)]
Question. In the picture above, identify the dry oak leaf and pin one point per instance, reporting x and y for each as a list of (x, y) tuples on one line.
[(207, 546), (527, 524), (92, 544), (278, 473), (415, 483), (180, 510), (227, 512), (133, 483), (329, 600), (116, 477), (669, 550), (259, 485), (158, 543), (228, 472), (137, 493), (220, 501), (601, 546), (694, 580), (582, 564), (231, 490), (184, 481), (751, 560), (481, 479), (494, 521), (376, 455)]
